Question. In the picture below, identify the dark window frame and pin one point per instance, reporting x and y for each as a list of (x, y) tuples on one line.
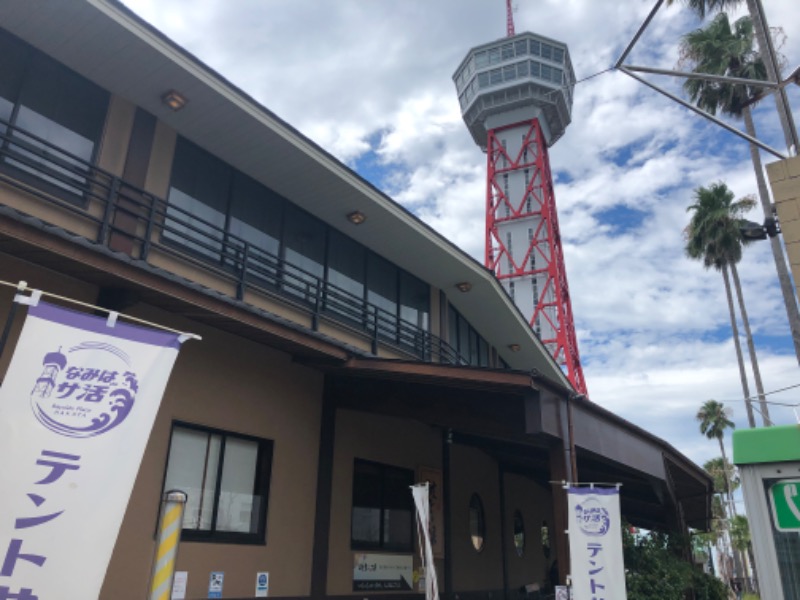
[(72, 182), (381, 545), (261, 484)]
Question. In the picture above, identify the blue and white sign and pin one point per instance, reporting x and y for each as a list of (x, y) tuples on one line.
[(262, 584), (76, 410), (595, 544), (215, 582)]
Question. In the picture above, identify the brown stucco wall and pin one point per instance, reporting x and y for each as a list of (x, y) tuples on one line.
[(535, 504), (473, 471), (230, 383), (784, 178), (391, 441)]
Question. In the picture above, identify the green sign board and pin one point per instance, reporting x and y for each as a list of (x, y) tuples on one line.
[(784, 497)]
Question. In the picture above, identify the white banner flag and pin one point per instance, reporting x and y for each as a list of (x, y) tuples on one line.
[(595, 544), (76, 410), (423, 505)]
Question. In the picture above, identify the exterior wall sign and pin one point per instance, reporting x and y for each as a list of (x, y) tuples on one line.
[(179, 583), (215, 582), (76, 410), (595, 543), (382, 572), (262, 584), (784, 498), (435, 489)]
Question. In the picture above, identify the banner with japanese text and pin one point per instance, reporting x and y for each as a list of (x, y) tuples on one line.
[(76, 410), (595, 544)]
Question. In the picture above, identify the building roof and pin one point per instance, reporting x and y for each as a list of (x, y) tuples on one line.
[(108, 44)]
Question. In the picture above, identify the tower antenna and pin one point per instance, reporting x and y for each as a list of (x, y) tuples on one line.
[(509, 19)]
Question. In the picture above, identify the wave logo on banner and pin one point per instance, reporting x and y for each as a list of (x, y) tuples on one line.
[(595, 544), (592, 518), (85, 400)]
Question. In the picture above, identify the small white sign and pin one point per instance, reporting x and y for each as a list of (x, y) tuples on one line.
[(179, 585), (262, 584), (383, 572)]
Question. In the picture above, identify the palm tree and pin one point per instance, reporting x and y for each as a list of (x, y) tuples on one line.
[(722, 472), (766, 51), (720, 50), (717, 50), (713, 236), (714, 421)]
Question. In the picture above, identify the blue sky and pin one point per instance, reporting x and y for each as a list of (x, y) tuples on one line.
[(370, 81)]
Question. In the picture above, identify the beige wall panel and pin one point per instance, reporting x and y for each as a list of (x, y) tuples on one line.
[(472, 471), (160, 167), (345, 335), (116, 135), (197, 275), (536, 506), (397, 442), (233, 384), (784, 179), (49, 212)]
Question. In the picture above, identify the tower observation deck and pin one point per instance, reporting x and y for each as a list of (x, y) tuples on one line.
[(516, 99)]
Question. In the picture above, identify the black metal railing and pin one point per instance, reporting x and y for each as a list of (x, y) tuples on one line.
[(129, 218)]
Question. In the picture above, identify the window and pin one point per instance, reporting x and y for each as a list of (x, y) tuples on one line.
[(304, 252), (198, 200), (255, 218), (226, 477), (383, 508), (477, 523), (346, 272), (63, 113), (382, 292)]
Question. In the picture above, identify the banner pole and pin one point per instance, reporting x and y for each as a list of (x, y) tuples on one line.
[(169, 537)]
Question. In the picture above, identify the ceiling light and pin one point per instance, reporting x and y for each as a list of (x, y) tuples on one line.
[(464, 286), (514, 347), (356, 217), (174, 100)]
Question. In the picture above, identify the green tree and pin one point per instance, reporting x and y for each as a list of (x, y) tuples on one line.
[(724, 50), (743, 61), (654, 569), (714, 237)]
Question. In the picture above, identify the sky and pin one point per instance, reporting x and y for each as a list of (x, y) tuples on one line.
[(371, 82)]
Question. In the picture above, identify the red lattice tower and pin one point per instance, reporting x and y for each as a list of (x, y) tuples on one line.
[(540, 261), (516, 99)]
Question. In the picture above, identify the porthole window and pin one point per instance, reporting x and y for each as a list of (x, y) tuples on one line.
[(477, 523), (519, 534)]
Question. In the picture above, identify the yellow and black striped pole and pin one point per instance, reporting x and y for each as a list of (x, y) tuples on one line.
[(169, 536)]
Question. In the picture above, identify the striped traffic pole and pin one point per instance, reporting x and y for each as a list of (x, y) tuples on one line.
[(169, 535)]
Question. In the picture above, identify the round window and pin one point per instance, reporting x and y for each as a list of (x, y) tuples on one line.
[(477, 524), (519, 533)]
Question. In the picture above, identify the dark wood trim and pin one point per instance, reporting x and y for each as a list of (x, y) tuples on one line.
[(322, 518), (558, 529), (447, 441), (503, 539)]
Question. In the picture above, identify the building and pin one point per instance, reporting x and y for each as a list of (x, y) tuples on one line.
[(348, 350)]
